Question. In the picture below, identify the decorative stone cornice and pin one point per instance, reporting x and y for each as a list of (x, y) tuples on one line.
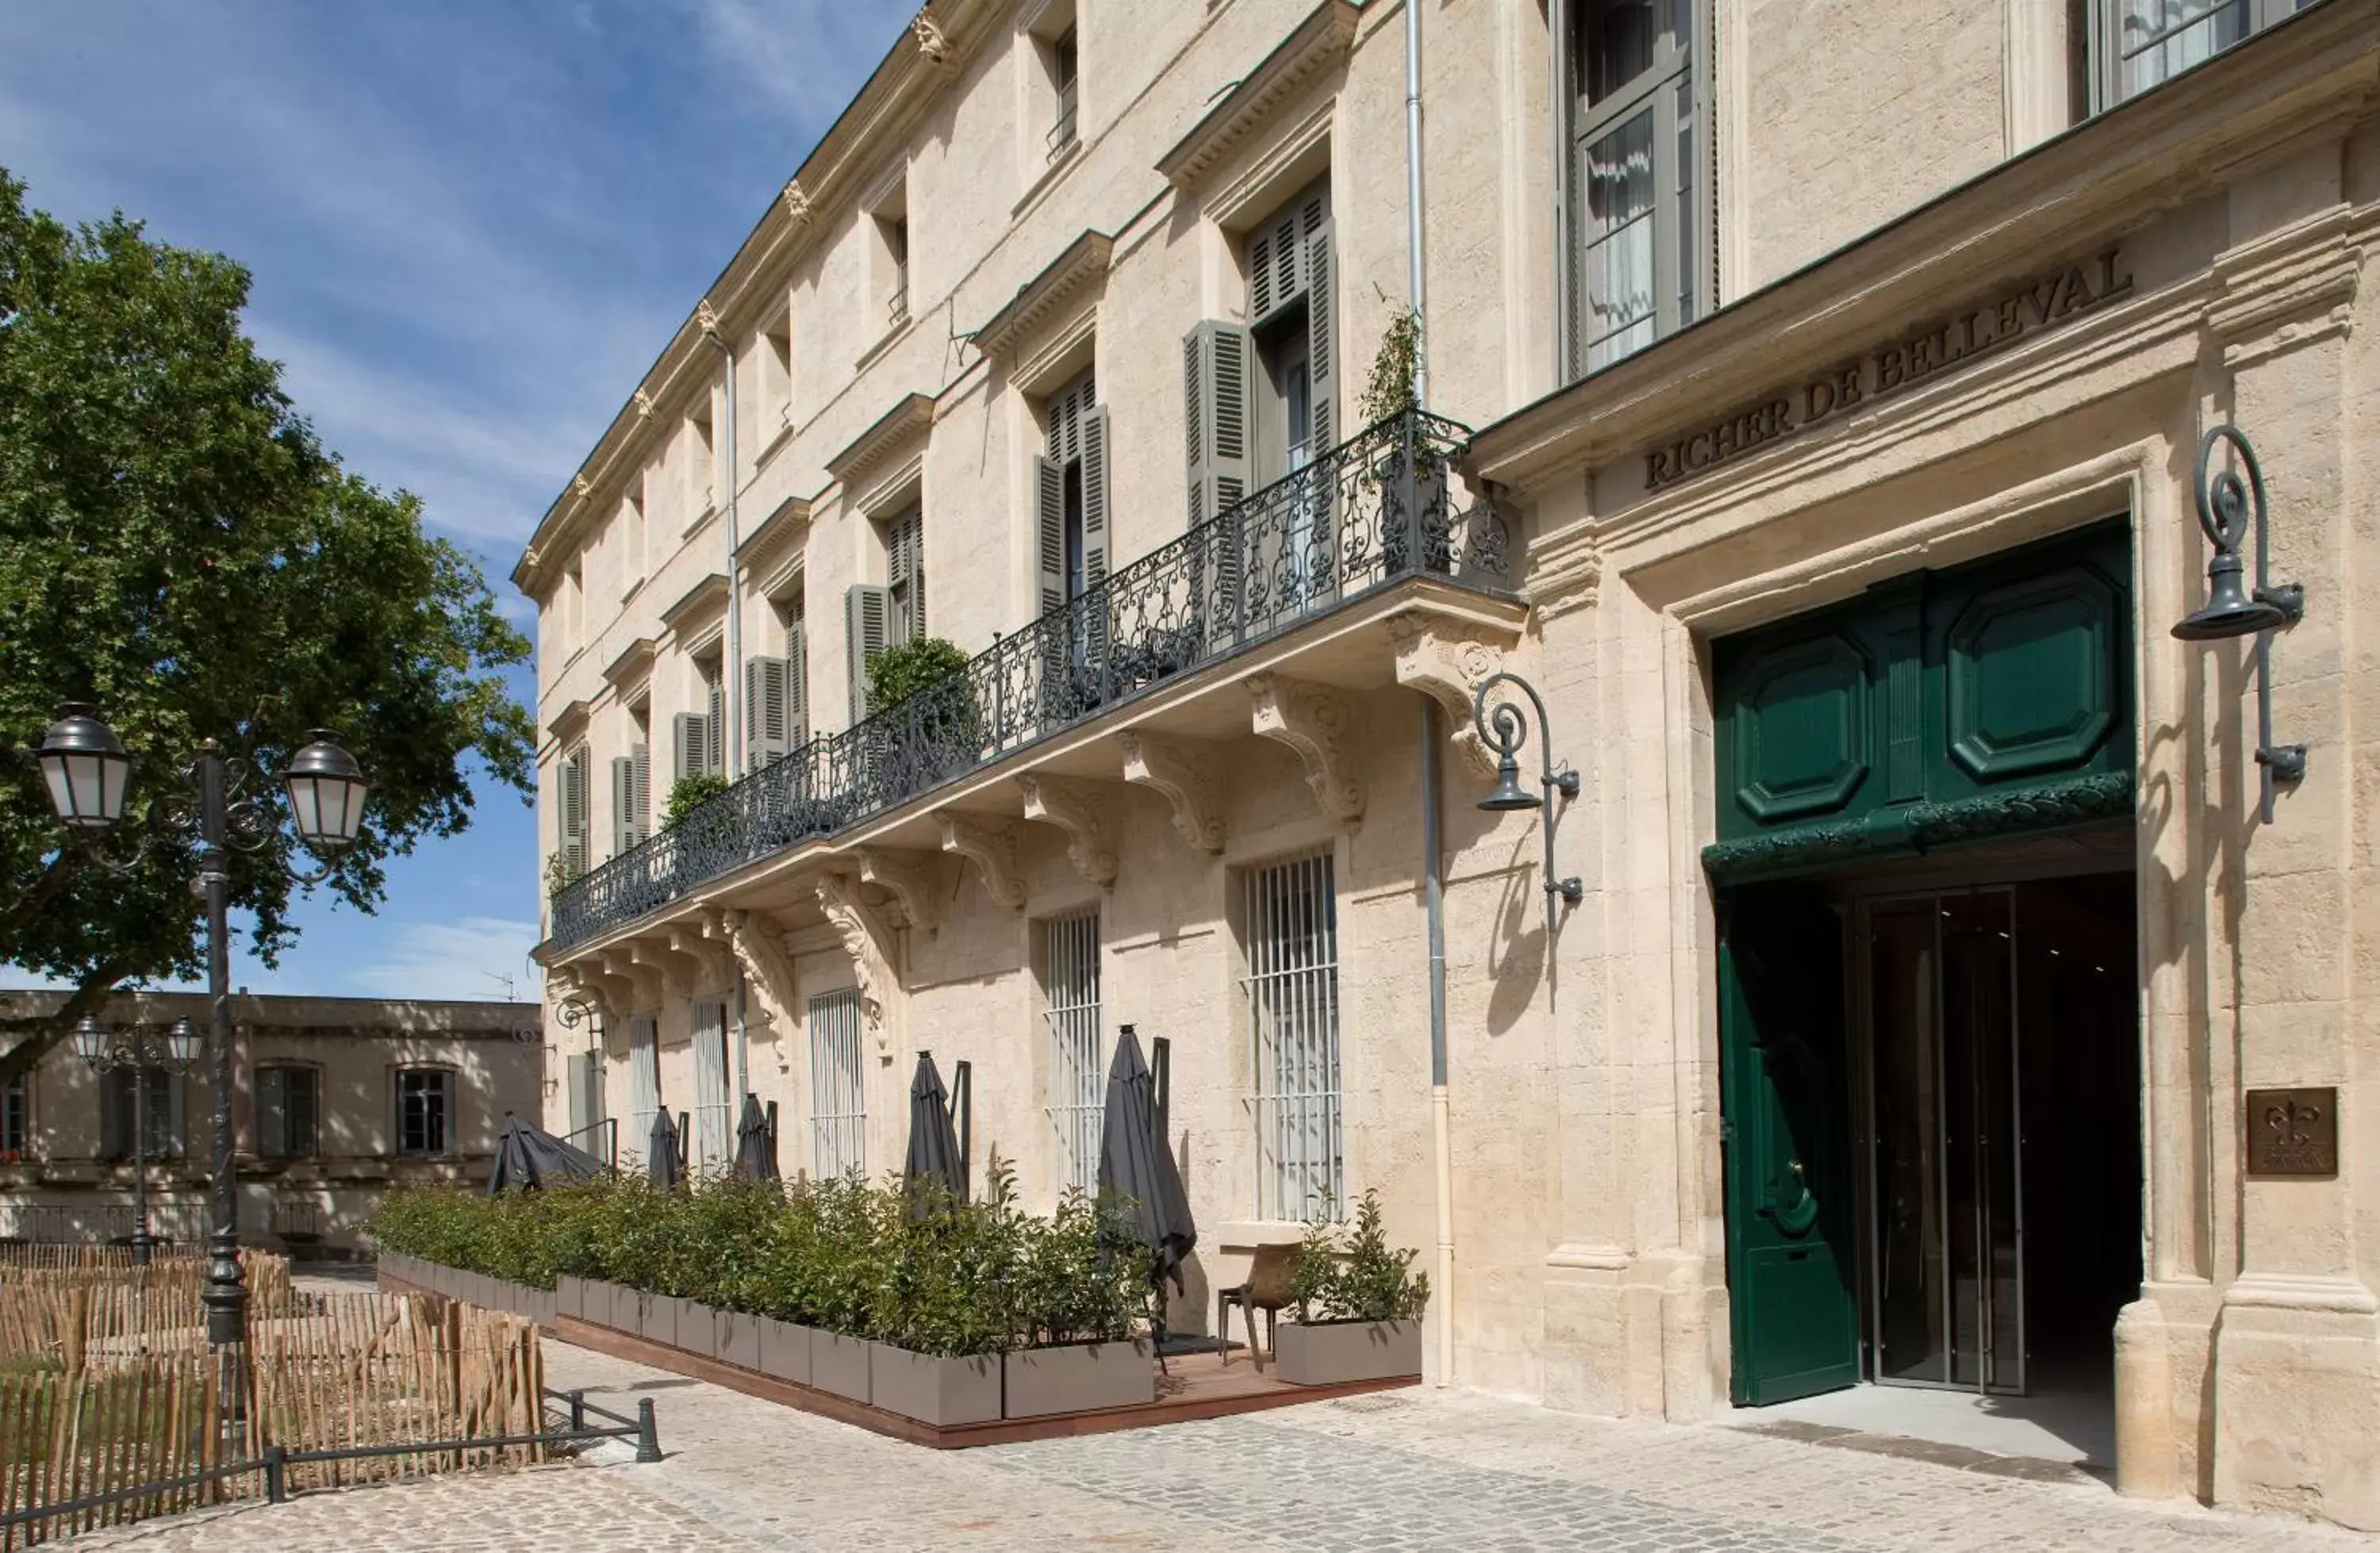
[(1448, 660), (1066, 280), (1565, 573), (1313, 719), (706, 317), (580, 487), (764, 959), (569, 720), (934, 43), (715, 962), (644, 403), (892, 434), (2286, 288), (1081, 809), (990, 846), (1319, 42), (1915, 827), (1189, 772), (697, 605), (664, 968), (866, 944), (916, 879), (635, 661)]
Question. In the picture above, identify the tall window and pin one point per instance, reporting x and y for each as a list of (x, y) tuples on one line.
[(16, 1117), (160, 1098), (1064, 68), (1292, 932), (2137, 44), (425, 1111), (288, 1112), (570, 839), (644, 1082), (905, 577), (1070, 516), (838, 1085), (1070, 991), (1638, 249), (713, 1116)]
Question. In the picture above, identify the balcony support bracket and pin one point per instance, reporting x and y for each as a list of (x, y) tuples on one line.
[(755, 947), (867, 942), (1313, 719), (1082, 810), (990, 846), (1189, 772), (917, 880), (1449, 660)]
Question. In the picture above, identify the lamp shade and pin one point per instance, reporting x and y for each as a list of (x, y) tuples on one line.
[(1508, 794), (86, 768), (182, 1043), (91, 1039), (326, 794), (2230, 610)]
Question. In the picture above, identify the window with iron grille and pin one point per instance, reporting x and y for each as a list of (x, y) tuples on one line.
[(1638, 248), (838, 1085), (2136, 44), (644, 1082), (161, 1097), (1291, 927), (713, 1119), (425, 1111), (288, 1111), (16, 1116), (1064, 69), (1070, 991)]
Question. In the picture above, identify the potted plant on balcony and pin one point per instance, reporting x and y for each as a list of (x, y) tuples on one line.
[(1413, 502), (1358, 1309), (1081, 1292)]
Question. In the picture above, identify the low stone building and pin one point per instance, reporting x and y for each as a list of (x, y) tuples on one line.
[(334, 1101)]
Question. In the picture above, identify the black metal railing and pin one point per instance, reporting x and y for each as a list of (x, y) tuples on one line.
[(1383, 506)]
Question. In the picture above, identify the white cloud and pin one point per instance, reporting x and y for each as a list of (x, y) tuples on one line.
[(805, 58), (468, 959)]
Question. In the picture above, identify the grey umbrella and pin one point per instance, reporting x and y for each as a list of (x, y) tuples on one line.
[(531, 1157), (755, 1143), (934, 1150), (661, 1151), (1136, 1167)]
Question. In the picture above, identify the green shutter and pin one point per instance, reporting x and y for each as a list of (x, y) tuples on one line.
[(1215, 357), (865, 610), (1049, 532)]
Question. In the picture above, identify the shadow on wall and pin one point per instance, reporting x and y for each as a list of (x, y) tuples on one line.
[(1520, 931)]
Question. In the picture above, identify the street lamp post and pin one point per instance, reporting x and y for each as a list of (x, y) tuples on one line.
[(89, 775), (96, 1045)]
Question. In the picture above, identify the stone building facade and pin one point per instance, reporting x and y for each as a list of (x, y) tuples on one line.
[(1824, 391), (334, 1101)]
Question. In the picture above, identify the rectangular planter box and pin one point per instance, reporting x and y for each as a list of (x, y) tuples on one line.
[(1078, 1378), (627, 1309), (570, 1297), (938, 1391), (739, 1338), (785, 1351), (1329, 1352), (840, 1365), (698, 1328), (657, 1319)]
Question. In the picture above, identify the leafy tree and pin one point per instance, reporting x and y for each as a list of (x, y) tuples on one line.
[(178, 547)]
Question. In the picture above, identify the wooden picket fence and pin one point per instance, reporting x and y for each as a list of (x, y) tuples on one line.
[(72, 1314), (339, 1372)]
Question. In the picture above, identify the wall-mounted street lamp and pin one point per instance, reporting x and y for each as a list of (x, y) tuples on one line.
[(101, 1052), (2227, 505), (1504, 733), (89, 776)]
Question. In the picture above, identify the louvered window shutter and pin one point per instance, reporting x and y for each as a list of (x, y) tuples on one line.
[(915, 546), (767, 736), (797, 688), (641, 802), (1215, 390), (573, 809), (865, 608), (714, 727), (1050, 529), (1095, 523), (689, 746), (1321, 310), (624, 804)]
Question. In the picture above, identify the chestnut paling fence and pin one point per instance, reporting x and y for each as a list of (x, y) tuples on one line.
[(111, 1411), (1386, 505)]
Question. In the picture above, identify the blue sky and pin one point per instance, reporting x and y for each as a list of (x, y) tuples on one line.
[(473, 223)]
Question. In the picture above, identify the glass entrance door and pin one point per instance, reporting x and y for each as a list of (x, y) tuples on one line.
[(1946, 1231)]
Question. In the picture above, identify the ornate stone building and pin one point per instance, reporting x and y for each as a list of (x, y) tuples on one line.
[(1941, 1000)]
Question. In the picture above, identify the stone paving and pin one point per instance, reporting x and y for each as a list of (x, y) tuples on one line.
[(1404, 1469)]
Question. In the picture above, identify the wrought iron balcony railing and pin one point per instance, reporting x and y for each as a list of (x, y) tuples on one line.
[(1378, 509)]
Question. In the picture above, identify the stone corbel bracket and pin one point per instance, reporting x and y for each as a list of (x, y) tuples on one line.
[(756, 949), (915, 879), (1449, 660), (1313, 719), (716, 962), (640, 987), (662, 966), (578, 984), (990, 846), (1082, 810), (867, 942), (1189, 772)]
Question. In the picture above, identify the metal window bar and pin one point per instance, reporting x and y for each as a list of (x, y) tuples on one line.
[(1063, 132), (714, 1140), (1388, 504), (644, 1080), (1078, 1085), (1293, 996), (838, 1085)]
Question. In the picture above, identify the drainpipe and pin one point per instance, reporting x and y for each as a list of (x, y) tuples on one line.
[(1413, 194), (735, 741), (1433, 875)]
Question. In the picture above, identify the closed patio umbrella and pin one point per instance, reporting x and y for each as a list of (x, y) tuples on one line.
[(935, 1153), (531, 1157), (661, 1151), (1135, 1165), (756, 1144)]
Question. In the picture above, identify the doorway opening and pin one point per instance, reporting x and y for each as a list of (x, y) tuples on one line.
[(1932, 1093)]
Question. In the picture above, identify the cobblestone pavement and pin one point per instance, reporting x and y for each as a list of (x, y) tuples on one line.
[(1415, 1469)]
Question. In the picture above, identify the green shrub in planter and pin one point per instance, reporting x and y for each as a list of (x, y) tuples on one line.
[(1365, 1281)]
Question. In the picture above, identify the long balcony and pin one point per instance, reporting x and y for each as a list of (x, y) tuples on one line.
[(1388, 506)]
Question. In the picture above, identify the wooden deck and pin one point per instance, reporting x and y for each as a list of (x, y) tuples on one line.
[(1199, 1386)]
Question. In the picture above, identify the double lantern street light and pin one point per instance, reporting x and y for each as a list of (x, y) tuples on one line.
[(100, 1051), (89, 776)]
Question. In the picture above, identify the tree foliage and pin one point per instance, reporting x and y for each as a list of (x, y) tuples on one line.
[(178, 547)]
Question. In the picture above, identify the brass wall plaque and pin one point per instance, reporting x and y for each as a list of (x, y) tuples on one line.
[(2292, 1131)]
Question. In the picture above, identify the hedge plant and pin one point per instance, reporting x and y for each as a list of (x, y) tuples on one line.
[(1356, 1276)]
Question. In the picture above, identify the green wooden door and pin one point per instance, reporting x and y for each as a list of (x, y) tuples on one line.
[(1789, 1222)]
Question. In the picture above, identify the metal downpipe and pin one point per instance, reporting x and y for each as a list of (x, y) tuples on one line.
[(1433, 874)]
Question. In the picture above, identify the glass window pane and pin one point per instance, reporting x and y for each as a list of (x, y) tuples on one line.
[(2156, 40), (1618, 225), (1617, 40), (1689, 229)]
